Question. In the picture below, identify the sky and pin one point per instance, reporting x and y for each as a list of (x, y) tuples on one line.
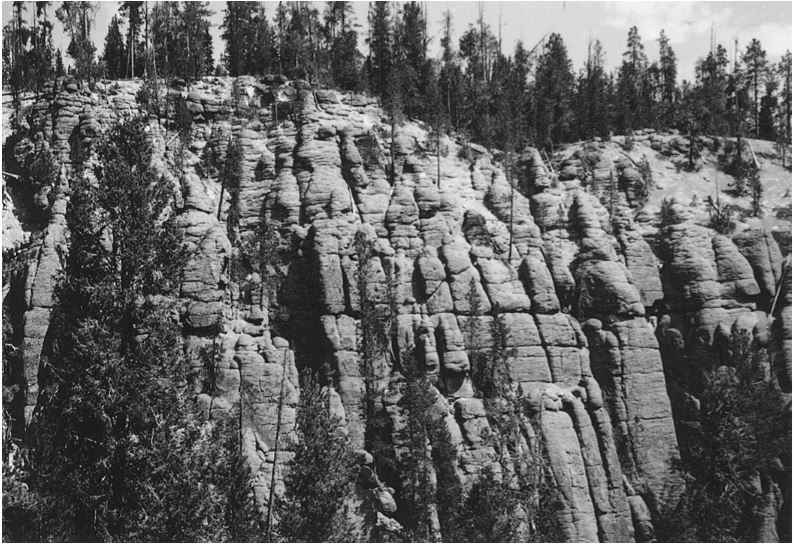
[(689, 25)]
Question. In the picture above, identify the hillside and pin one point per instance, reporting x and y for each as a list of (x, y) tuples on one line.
[(611, 315)]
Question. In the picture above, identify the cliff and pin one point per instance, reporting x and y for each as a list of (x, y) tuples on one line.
[(605, 308)]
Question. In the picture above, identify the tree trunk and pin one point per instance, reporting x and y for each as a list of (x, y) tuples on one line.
[(510, 226), (438, 159), (392, 149), (756, 101), (146, 38), (269, 530)]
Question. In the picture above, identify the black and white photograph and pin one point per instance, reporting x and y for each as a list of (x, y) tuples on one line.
[(397, 272)]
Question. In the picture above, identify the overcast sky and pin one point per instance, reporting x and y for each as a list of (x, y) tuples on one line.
[(687, 24)]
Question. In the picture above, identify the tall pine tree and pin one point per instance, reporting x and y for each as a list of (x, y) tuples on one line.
[(632, 87), (114, 53), (593, 96), (344, 57), (553, 92), (133, 12), (666, 97), (755, 60), (380, 41)]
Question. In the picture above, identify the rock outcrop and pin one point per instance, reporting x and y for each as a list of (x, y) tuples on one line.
[(595, 321)]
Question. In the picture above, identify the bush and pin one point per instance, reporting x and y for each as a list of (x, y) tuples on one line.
[(590, 156), (647, 181), (183, 119), (629, 142), (43, 169), (721, 216), (148, 97)]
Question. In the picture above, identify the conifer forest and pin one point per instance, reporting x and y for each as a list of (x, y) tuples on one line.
[(383, 272)]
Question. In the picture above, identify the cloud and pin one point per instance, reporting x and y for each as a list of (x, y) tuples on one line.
[(776, 38), (681, 21)]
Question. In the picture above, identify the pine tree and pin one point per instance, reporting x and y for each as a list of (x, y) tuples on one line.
[(381, 44), (118, 450), (755, 60), (632, 86), (191, 60), (593, 96), (767, 111), (374, 346), (282, 19), (785, 108), (480, 51), (237, 33), (450, 76), (259, 59), (411, 45), (666, 97), (417, 497), (337, 19), (299, 42), (708, 114), (439, 121), (207, 63), (132, 11), (741, 426), (322, 474), (114, 54), (40, 56), (59, 69), (165, 33), (15, 38), (77, 18), (344, 57), (553, 94)]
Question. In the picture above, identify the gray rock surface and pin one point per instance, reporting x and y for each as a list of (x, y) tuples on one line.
[(578, 290)]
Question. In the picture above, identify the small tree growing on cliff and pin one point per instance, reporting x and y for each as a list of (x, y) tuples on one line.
[(230, 177), (374, 339), (260, 251), (520, 503), (394, 106), (474, 355), (755, 182), (417, 492), (323, 473)]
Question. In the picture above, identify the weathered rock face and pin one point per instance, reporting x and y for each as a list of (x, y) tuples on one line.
[(563, 269)]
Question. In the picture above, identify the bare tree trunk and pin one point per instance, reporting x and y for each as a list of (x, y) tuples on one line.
[(269, 530), (392, 148), (756, 102), (438, 159), (146, 38), (510, 227), (220, 202)]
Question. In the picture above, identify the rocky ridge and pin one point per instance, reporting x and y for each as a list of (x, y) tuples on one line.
[(599, 319)]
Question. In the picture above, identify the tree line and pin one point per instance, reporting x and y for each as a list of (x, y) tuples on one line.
[(532, 96), (161, 40)]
